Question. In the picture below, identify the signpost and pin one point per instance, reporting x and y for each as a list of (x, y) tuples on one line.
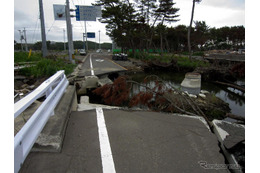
[(62, 12), (87, 13), (83, 13), (59, 12), (91, 35)]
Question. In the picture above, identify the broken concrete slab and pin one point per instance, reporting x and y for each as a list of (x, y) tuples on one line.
[(234, 133), (85, 105), (104, 81), (88, 83), (231, 137)]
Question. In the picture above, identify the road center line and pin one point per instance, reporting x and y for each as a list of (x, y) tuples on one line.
[(91, 66), (105, 149)]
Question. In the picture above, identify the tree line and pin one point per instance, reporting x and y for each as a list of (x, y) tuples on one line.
[(142, 25), (60, 45)]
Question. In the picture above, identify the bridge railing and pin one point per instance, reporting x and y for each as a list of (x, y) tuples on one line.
[(53, 88)]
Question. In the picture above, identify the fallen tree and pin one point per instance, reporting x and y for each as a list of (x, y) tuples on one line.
[(236, 117), (163, 98), (232, 85)]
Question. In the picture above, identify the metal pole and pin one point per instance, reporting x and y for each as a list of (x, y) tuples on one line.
[(86, 43), (64, 39), (95, 42), (69, 31), (99, 39), (113, 45), (44, 45), (21, 40), (26, 46)]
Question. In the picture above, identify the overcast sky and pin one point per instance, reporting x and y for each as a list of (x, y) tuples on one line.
[(216, 13)]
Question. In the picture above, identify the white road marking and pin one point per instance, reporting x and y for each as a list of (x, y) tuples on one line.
[(91, 66), (105, 149)]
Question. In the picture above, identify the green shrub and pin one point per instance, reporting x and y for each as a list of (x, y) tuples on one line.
[(185, 62), (198, 53), (182, 61), (140, 55), (47, 67), (23, 57)]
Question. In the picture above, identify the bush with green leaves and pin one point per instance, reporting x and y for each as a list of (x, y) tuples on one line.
[(24, 57), (186, 63), (47, 67)]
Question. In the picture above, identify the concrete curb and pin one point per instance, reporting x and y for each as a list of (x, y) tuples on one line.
[(51, 137)]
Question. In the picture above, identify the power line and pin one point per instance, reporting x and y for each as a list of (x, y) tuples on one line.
[(50, 27), (35, 27)]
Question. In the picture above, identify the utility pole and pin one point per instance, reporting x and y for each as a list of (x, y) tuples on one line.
[(69, 31), (99, 40), (44, 45), (113, 45), (21, 38), (26, 46), (64, 39)]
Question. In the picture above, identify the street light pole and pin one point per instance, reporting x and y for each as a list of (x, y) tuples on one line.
[(99, 40), (21, 40), (26, 46), (64, 39)]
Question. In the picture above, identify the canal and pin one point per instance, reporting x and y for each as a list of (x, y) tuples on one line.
[(233, 97)]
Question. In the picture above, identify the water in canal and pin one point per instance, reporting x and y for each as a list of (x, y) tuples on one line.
[(233, 97)]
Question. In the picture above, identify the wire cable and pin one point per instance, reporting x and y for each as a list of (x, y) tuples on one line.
[(50, 28), (35, 27)]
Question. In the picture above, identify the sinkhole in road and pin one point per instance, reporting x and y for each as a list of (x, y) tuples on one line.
[(97, 99)]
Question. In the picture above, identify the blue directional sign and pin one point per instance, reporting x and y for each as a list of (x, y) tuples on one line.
[(91, 35), (87, 13)]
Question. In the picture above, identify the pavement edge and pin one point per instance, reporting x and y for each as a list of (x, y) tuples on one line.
[(51, 137)]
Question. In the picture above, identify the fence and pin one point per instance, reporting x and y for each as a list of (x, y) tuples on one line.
[(53, 88)]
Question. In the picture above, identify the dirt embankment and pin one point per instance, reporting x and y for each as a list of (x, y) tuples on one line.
[(218, 70)]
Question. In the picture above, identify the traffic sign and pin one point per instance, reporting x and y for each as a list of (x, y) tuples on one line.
[(87, 13), (91, 35), (59, 12)]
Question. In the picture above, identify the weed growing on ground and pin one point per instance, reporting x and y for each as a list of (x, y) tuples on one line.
[(44, 67), (183, 62), (23, 57)]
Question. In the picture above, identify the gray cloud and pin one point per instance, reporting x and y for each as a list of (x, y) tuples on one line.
[(231, 4), (26, 14)]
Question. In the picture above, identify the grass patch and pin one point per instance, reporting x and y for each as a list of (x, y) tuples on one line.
[(23, 57), (151, 56), (200, 53), (185, 62), (47, 67), (197, 53)]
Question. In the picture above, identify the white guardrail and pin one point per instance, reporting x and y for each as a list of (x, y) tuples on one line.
[(53, 88)]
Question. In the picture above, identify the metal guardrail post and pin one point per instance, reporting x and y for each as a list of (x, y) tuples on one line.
[(27, 136)]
